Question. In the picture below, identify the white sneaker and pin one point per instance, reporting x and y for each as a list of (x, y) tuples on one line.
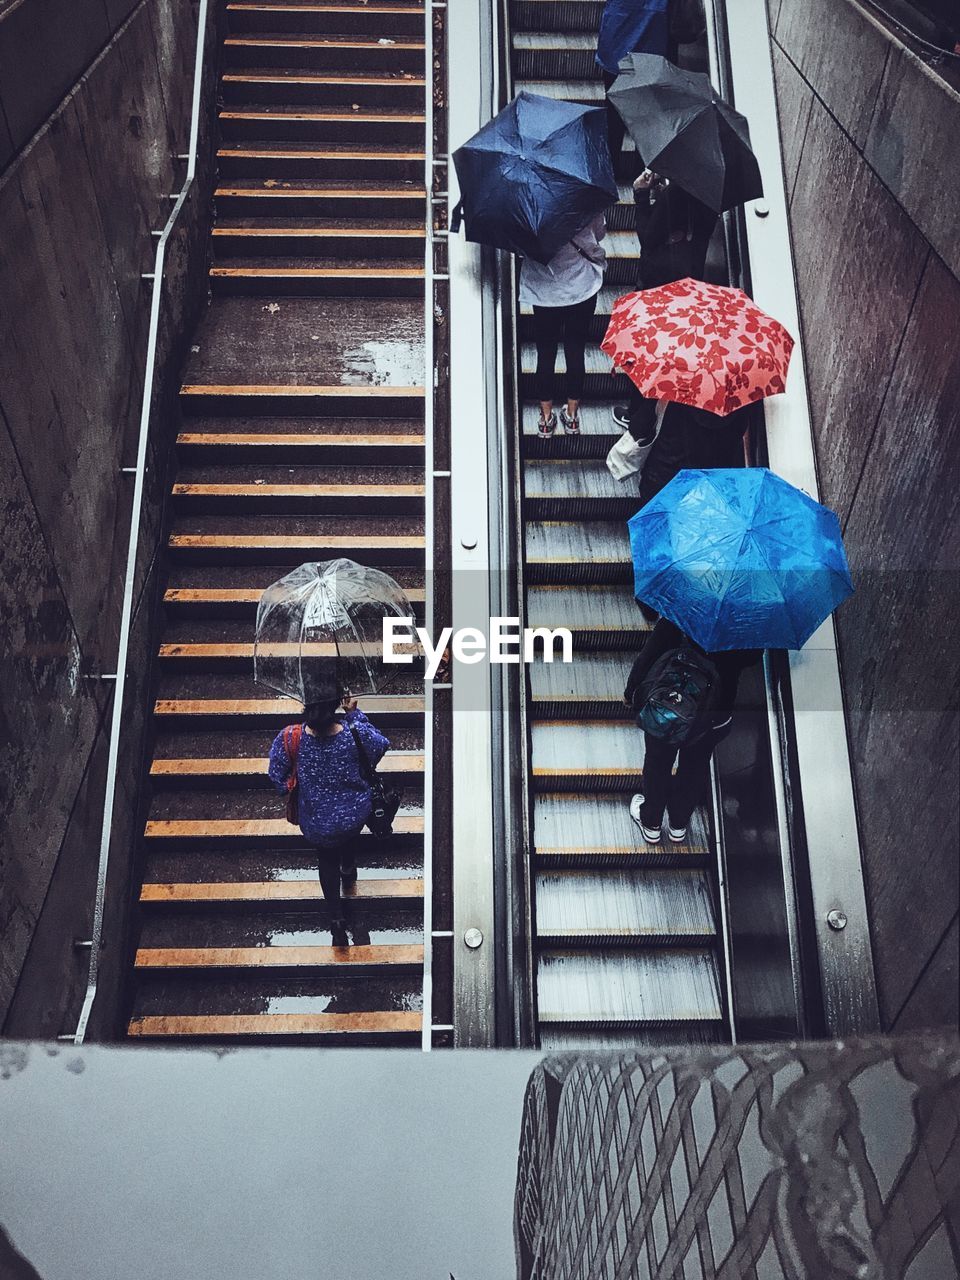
[(676, 834), (546, 427), (570, 425), (650, 834)]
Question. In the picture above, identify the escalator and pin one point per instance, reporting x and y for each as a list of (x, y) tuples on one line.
[(627, 945)]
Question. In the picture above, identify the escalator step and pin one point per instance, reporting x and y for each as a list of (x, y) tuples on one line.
[(643, 907), (636, 987)]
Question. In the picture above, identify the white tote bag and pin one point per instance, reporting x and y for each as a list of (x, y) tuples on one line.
[(627, 458)]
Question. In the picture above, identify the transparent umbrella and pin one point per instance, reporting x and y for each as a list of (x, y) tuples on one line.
[(320, 630)]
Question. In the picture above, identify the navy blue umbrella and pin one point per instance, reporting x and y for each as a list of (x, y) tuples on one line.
[(534, 176)]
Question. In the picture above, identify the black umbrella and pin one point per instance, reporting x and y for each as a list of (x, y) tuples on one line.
[(686, 132), (535, 175)]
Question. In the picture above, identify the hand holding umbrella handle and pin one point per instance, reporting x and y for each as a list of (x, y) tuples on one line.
[(348, 701)]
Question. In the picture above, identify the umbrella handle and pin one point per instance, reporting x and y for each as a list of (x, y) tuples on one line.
[(456, 217)]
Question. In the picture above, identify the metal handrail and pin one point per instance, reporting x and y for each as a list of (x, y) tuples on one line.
[(426, 1025), (126, 614)]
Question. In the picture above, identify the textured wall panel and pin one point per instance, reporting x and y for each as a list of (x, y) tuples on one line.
[(794, 99), (48, 718), (880, 314), (45, 45), (912, 145), (845, 69), (859, 261)]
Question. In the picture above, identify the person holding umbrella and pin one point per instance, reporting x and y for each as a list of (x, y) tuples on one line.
[(563, 295), (328, 758), (535, 181), (684, 699), (734, 561), (710, 351)]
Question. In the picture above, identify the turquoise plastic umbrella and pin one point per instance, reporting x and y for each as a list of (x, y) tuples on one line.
[(739, 559)]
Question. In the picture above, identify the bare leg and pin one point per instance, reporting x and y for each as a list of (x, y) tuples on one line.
[(546, 408)]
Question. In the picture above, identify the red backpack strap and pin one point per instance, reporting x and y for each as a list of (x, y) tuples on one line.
[(291, 745)]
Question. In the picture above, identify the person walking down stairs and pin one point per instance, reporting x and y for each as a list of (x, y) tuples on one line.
[(322, 757)]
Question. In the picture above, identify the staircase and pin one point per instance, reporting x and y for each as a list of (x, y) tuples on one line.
[(301, 439)]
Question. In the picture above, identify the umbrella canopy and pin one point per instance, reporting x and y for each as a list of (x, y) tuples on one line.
[(739, 559), (699, 344), (535, 175), (320, 630), (626, 25), (685, 131)]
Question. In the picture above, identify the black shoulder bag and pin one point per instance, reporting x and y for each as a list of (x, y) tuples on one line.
[(385, 803)]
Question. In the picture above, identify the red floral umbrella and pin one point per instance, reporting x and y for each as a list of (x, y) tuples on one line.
[(698, 344)]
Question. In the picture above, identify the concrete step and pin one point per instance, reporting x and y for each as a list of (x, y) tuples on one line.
[(397, 19), (329, 55)]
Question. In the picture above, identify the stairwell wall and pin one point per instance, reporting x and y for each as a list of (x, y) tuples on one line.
[(78, 203), (869, 136)]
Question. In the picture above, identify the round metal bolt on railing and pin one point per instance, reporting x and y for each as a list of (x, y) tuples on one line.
[(468, 542), (761, 210), (837, 919), (473, 938)]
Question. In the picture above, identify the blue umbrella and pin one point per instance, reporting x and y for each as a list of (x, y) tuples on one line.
[(534, 176), (739, 559), (628, 26)]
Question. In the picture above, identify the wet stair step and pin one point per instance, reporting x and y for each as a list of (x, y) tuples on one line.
[(300, 959), (312, 399), (271, 892), (275, 712), (360, 200), (346, 238), (331, 125), (294, 88), (334, 53), (273, 830), (397, 766), (336, 1028), (373, 19), (300, 490), (308, 281), (271, 160), (358, 441)]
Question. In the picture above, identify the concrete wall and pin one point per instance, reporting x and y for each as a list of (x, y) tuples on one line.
[(869, 136), (77, 206)]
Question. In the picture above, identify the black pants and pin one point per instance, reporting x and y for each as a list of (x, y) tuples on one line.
[(332, 861), (571, 326), (678, 794)]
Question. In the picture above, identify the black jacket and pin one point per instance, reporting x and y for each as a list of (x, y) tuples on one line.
[(693, 438), (729, 663), (660, 214)]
